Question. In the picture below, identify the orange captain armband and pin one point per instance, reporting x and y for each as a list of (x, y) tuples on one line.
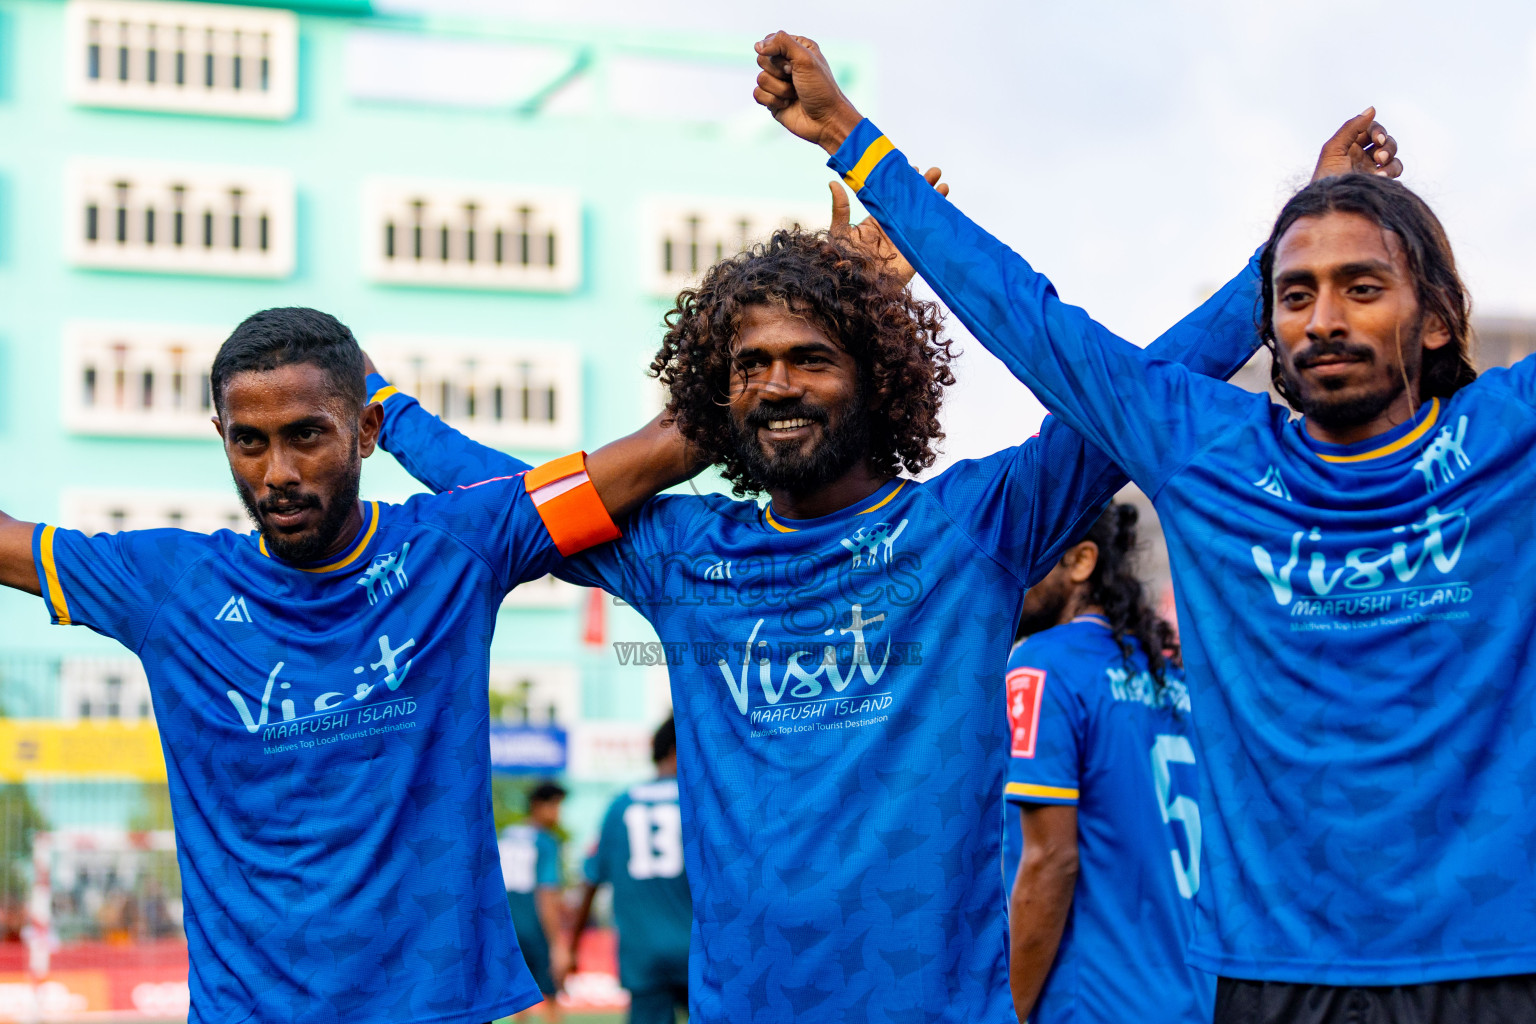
[(568, 503)]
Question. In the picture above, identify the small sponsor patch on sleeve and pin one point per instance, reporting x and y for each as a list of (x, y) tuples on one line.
[(1025, 688)]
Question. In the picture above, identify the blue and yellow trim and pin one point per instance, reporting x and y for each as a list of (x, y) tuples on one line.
[(352, 555), (868, 161), (383, 393), (1394, 446), (768, 510), (48, 575), (1030, 791)]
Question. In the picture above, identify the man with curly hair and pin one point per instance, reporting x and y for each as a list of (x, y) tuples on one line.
[(840, 724)]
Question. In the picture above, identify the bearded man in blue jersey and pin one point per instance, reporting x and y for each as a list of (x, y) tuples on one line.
[(320, 689), (1353, 585), (1102, 837), (840, 725)]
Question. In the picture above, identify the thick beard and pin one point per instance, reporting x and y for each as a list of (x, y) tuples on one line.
[(1048, 616), (1337, 412), (844, 442), (310, 546)]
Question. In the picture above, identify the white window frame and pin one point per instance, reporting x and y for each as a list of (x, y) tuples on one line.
[(251, 52)]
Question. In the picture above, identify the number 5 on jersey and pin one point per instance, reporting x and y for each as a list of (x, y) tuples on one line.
[(1177, 749)]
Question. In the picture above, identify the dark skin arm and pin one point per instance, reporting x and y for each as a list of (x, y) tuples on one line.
[(16, 566), (795, 83), (1041, 899), (631, 470), (583, 915)]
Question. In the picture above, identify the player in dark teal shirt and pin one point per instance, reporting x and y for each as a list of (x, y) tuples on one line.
[(639, 852), (531, 869)]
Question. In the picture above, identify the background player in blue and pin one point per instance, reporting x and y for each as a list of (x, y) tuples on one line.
[(320, 690), (1102, 840), (530, 868), (840, 721), (1354, 585), (639, 851)]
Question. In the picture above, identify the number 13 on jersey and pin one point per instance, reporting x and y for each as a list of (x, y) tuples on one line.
[(655, 840)]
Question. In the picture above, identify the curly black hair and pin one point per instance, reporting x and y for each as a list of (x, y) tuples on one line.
[(895, 341)]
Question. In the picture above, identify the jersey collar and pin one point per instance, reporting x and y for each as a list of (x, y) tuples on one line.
[(364, 538), (1399, 438), (875, 501)]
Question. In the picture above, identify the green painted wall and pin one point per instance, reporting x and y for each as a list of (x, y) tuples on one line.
[(331, 144)]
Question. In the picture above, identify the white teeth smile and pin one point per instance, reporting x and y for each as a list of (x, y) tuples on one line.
[(787, 424)]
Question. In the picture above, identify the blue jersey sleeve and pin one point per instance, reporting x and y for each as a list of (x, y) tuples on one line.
[(498, 520), (547, 867), (112, 582), (430, 450), (645, 559), (1048, 724), (1519, 379), (1146, 410)]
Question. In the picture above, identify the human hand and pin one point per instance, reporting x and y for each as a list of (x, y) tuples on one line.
[(1361, 146), (797, 87), (368, 366), (868, 237)]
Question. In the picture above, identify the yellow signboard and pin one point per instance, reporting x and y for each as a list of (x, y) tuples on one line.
[(33, 749)]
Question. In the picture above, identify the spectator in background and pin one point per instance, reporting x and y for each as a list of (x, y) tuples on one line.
[(640, 853), (530, 867)]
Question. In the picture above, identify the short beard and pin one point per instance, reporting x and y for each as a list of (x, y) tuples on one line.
[(843, 444), (1336, 412), (310, 546)]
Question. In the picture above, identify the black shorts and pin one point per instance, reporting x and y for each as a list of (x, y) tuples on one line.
[(1505, 1000)]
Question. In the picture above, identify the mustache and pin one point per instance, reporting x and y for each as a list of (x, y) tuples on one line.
[(796, 410), (1310, 355), (291, 499)]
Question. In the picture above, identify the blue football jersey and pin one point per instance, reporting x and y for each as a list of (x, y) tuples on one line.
[(839, 717), (324, 729), (1090, 728), (1355, 622), (640, 853)]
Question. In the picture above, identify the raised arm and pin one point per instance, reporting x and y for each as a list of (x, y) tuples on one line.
[(434, 453), (625, 472), (1125, 401), (17, 567)]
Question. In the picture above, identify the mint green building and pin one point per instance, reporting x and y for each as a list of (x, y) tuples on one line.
[(500, 214)]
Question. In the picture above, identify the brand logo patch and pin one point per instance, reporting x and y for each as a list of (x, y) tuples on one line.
[(234, 610), (1272, 483), (1025, 688), (378, 575), (873, 545)]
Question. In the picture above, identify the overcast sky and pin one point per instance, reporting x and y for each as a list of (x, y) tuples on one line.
[(1137, 152)]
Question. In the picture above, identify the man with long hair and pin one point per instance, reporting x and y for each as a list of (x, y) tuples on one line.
[(839, 721), (1102, 829), (1353, 584)]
